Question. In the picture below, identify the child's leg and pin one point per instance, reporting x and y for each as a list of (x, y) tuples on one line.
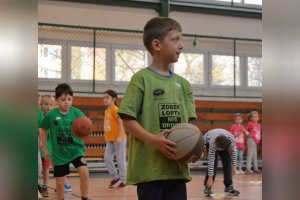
[(250, 144), (121, 159), (46, 165), (175, 189), (60, 171), (255, 164), (39, 165), (84, 180), (80, 164), (240, 153), (227, 167), (108, 159), (60, 187), (215, 170)]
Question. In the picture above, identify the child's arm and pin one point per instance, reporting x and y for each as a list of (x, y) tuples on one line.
[(44, 135), (121, 130), (211, 164), (159, 141), (233, 157)]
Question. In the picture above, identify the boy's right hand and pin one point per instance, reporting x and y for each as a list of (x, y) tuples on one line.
[(46, 155), (166, 146)]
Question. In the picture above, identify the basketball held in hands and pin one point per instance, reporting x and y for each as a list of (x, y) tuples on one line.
[(82, 127), (189, 140)]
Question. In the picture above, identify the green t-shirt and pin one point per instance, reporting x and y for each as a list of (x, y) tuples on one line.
[(40, 120), (65, 146), (156, 102), (40, 116)]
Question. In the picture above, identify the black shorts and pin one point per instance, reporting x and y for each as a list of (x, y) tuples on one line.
[(63, 170), (162, 190)]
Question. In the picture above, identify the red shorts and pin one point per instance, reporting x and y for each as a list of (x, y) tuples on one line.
[(46, 163)]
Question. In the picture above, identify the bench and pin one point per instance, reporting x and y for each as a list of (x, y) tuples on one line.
[(210, 115)]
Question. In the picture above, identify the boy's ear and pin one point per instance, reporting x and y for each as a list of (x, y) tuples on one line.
[(155, 45)]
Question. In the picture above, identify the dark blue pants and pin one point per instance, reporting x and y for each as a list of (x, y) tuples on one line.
[(227, 167), (162, 190)]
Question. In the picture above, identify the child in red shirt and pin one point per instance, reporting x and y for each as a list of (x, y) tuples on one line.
[(239, 132), (254, 129)]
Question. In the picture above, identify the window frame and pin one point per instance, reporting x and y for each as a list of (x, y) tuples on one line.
[(114, 47), (225, 53), (205, 54), (63, 45), (246, 71), (91, 45)]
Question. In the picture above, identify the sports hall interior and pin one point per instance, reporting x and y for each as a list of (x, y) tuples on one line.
[(96, 45)]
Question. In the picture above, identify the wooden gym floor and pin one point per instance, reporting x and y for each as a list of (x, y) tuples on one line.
[(99, 187)]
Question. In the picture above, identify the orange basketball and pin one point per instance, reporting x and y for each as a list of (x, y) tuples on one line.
[(189, 140), (81, 127)]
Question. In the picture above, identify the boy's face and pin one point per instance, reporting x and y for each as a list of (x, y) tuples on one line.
[(46, 104), (64, 102), (171, 46), (238, 120)]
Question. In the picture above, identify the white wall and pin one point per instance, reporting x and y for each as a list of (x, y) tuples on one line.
[(135, 19)]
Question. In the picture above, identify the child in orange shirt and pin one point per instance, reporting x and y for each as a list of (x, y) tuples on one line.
[(115, 138)]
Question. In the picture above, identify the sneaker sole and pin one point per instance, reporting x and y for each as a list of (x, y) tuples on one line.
[(227, 193)]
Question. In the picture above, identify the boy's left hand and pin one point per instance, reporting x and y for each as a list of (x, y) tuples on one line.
[(119, 140), (233, 170)]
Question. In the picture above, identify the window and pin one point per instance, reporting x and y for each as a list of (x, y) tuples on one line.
[(255, 2), (223, 70), (128, 62), (191, 66), (82, 63), (254, 72), (49, 61)]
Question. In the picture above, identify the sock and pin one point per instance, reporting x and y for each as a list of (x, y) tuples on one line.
[(84, 198)]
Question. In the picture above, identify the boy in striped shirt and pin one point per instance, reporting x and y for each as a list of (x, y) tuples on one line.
[(220, 142)]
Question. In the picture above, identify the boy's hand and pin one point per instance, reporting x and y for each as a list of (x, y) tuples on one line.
[(119, 140), (166, 146), (46, 155), (210, 182), (204, 152), (234, 170)]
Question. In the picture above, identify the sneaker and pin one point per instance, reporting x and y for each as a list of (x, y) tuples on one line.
[(237, 172), (231, 191), (241, 172), (40, 188), (207, 191), (114, 183), (121, 185), (67, 188), (44, 192), (257, 171), (249, 171)]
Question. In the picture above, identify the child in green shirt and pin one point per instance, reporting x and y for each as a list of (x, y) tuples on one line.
[(66, 148), (157, 99)]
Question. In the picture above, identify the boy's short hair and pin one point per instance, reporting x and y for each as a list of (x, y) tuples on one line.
[(46, 96), (63, 88), (222, 142), (157, 28)]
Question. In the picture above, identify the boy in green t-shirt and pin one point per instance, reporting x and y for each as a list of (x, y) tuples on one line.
[(66, 148), (157, 99)]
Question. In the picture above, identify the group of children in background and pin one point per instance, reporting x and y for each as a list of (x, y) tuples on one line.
[(249, 136), (58, 144)]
